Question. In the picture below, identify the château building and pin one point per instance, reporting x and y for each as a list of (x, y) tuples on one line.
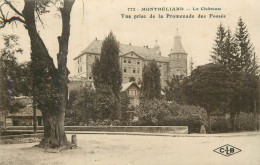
[(132, 60)]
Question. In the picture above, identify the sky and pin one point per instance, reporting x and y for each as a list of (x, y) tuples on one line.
[(92, 19)]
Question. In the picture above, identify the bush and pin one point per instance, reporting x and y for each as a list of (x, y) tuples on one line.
[(192, 116), (245, 121), (220, 124), (162, 113)]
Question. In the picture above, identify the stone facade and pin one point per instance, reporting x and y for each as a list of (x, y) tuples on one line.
[(133, 59)]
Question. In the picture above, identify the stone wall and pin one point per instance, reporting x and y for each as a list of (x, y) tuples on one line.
[(144, 129)]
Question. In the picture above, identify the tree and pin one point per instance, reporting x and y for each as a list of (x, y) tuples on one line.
[(49, 82), (81, 103), (107, 77), (108, 65), (10, 75), (247, 61), (218, 54), (132, 79), (151, 82), (244, 95), (225, 50), (208, 86), (230, 51), (173, 89), (106, 104), (246, 51), (124, 106)]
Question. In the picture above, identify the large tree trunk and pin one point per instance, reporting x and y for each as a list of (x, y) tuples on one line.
[(49, 83)]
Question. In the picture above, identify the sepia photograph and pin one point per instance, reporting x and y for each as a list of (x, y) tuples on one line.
[(110, 82)]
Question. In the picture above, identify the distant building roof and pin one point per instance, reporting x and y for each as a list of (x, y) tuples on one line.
[(125, 86), (144, 52), (28, 109)]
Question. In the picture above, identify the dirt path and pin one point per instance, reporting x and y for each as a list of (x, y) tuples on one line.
[(132, 149)]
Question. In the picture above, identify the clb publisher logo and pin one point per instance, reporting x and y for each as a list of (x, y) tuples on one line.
[(227, 150)]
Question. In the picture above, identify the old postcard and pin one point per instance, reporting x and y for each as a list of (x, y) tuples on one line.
[(130, 82)]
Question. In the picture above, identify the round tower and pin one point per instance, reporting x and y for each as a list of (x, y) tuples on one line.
[(178, 58)]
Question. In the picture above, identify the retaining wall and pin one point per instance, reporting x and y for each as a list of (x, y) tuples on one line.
[(145, 129)]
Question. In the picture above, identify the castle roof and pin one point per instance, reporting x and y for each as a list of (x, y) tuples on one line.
[(144, 52), (177, 47)]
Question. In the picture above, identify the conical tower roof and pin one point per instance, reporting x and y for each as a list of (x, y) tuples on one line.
[(156, 44), (177, 47)]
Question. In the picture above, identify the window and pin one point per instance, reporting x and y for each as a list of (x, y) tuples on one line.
[(138, 62), (79, 60), (132, 92), (160, 65), (133, 70), (124, 61), (178, 72), (79, 69), (129, 61), (90, 77), (124, 70)]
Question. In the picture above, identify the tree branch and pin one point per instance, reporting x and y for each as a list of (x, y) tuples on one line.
[(38, 16), (5, 18), (13, 8), (10, 20)]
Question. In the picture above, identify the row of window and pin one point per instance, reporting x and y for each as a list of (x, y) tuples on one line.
[(133, 71), (129, 61), (133, 92)]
